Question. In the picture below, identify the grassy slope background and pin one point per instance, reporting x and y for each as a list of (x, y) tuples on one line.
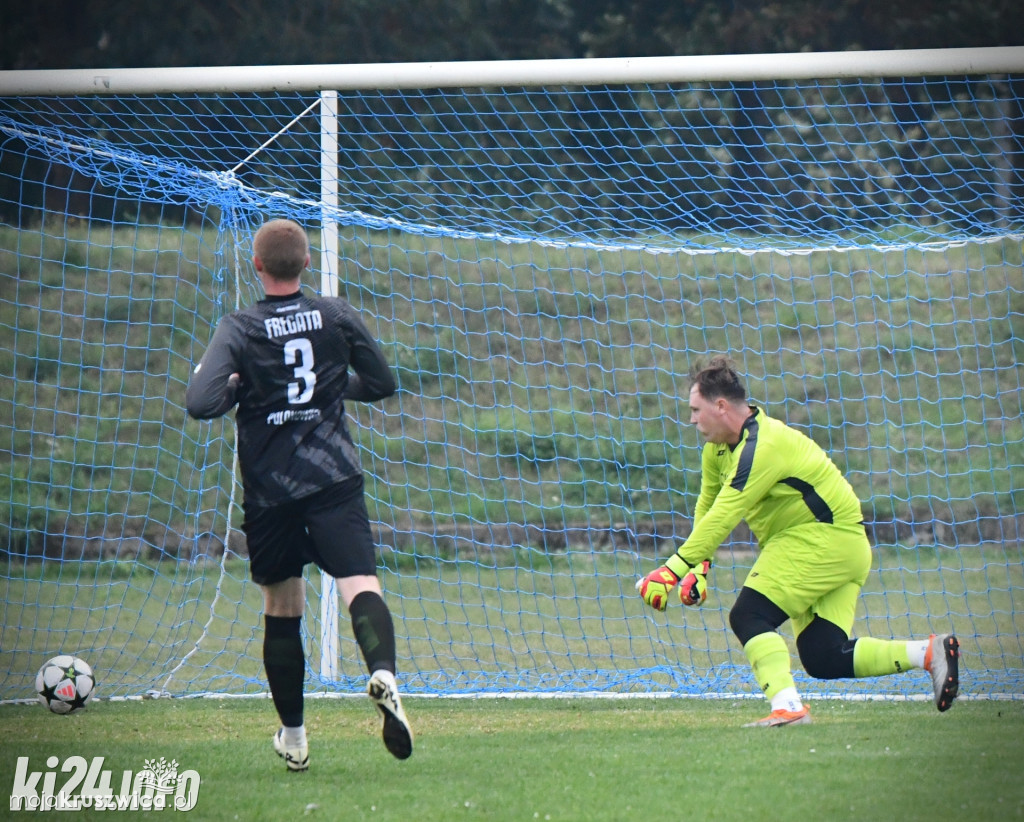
[(542, 389)]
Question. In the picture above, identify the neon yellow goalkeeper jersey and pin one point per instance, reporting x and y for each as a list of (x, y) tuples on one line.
[(775, 478)]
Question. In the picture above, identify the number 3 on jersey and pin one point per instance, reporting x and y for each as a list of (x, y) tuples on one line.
[(299, 353)]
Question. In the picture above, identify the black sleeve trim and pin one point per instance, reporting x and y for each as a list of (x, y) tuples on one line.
[(746, 460), (818, 506)]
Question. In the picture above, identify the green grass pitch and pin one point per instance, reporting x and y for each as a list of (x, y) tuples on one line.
[(554, 759)]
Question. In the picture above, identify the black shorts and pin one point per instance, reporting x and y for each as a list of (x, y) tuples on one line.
[(330, 529)]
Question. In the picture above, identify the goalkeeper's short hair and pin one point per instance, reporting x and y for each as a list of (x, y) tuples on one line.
[(718, 377)]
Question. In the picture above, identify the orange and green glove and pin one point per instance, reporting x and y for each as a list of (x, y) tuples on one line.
[(655, 587), (693, 588)]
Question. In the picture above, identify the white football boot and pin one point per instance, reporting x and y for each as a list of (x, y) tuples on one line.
[(296, 758), (383, 692), (942, 661)]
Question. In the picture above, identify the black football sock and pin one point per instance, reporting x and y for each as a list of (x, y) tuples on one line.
[(285, 664), (374, 630)]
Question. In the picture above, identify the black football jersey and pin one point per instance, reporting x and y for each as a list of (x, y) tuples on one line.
[(294, 356)]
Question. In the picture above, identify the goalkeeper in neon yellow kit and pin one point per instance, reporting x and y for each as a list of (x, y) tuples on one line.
[(814, 553)]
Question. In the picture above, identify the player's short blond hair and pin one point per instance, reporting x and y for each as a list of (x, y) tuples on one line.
[(283, 248)]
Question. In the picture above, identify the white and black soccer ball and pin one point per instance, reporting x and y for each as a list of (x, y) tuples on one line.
[(65, 684)]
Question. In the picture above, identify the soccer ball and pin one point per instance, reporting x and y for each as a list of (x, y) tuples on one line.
[(65, 684)]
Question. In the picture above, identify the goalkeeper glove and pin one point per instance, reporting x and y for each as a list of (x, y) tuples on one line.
[(693, 589), (654, 587)]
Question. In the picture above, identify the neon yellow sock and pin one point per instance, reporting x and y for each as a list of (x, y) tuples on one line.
[(878, 657), (769, 657)]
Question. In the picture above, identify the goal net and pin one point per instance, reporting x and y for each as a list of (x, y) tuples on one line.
[(543, 250)]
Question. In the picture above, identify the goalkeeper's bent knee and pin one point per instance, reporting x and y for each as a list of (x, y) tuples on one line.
[(754, 614), (826, 650)]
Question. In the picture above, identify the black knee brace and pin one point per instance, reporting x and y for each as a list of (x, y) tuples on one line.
[(753, 614), (826, 652)]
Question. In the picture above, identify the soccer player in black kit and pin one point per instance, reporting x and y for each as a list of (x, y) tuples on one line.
[(290, 361)]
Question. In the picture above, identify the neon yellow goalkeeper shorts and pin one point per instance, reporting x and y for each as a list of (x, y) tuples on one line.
[(814, 569)]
